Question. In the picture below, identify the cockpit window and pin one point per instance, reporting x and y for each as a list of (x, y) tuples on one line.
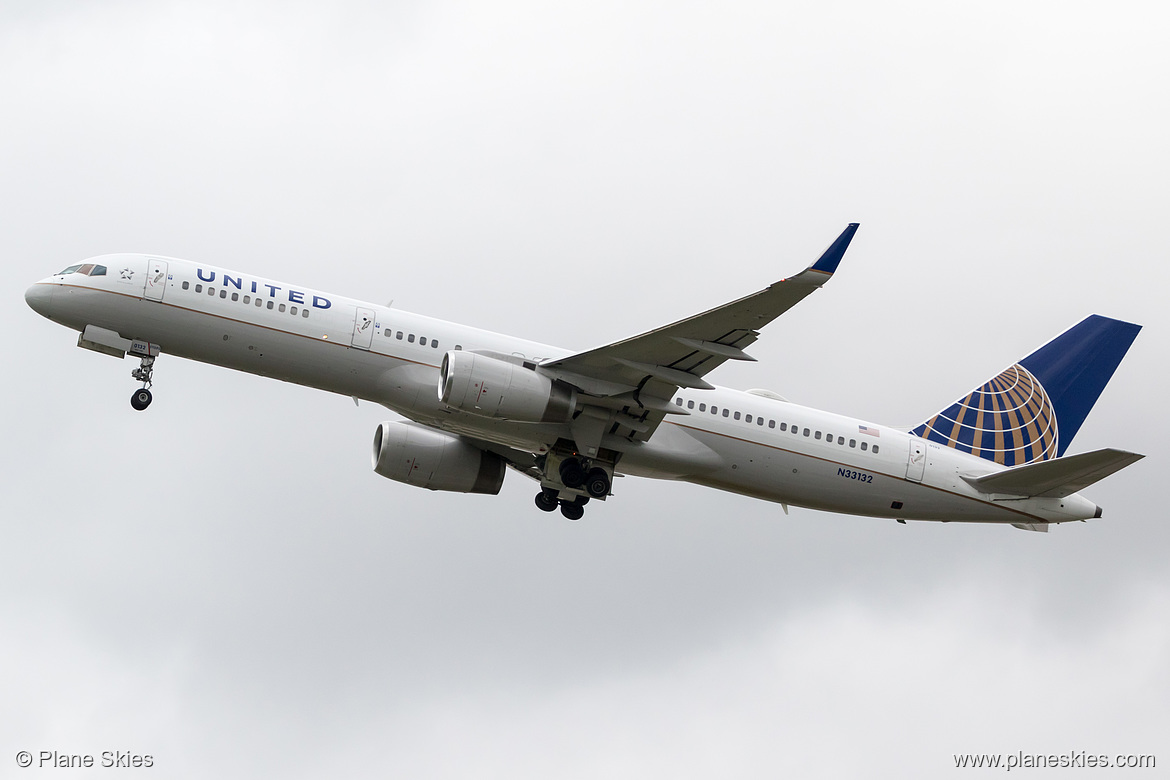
[(89, 269)]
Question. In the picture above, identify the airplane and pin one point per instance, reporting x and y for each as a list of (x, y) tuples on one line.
[(475, 402)]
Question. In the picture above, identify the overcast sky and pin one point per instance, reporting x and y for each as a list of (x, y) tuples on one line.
[(224, 584)]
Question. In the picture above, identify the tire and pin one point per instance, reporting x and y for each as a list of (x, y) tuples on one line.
[(141, 399), (597, 483), (546, 502), (572, 511), (572, 473)]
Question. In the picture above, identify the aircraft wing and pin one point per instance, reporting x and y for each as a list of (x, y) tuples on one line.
[(637, 377)]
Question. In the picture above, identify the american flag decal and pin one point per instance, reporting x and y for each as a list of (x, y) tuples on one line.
[(868, 431)]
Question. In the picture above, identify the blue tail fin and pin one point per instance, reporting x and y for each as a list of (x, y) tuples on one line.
[(1033, 409)]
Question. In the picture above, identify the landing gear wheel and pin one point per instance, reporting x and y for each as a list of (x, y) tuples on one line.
[(572, 511), (572, 473), (144, 374), (141, 399), (546, 501), (597, 483)]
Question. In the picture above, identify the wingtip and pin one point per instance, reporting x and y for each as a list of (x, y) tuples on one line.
[(831, 258)]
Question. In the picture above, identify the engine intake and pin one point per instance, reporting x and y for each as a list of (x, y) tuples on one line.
[(420, 456), (490, 387)]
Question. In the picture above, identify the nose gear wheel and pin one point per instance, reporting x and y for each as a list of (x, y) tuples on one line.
[(144, 374)]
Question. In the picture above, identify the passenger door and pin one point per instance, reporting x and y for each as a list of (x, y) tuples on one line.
[(156, 279), (916, 461), (363, 328)]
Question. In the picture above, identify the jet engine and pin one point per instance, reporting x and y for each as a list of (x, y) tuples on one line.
[(421, 456), (491, 387)]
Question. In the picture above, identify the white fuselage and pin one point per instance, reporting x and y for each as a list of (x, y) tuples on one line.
[(797, 455)]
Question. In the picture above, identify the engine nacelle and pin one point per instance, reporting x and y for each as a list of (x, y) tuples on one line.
[(490, 387), (420, 456)]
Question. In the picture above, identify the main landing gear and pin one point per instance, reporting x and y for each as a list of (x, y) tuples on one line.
[(547, 500), (579, 481), (144, 374), (575, 475)]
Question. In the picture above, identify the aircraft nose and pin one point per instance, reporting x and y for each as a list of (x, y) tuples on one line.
[(38, 297)]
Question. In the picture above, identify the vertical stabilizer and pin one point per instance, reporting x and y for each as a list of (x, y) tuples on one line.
[(1032, 409)]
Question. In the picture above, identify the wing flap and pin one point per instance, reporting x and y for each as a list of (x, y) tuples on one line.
[(1054, 478)]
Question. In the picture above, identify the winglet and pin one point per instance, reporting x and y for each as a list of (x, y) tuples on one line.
[(828, 262)]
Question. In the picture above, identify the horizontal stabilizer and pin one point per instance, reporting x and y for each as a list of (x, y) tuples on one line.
[(1055, 478)]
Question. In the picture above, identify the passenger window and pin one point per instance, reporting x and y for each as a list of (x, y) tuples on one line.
[(771, 423), (282, 308), (702, 407), (434, 344), (422, 341), (259, 303), (186, 285), (198, 288), (223, 293), (399, 336), (747, 419), (235, 297), (270, 304), (875, 449), (817, 436), (211, 291), (410, 338), (678, 402), (304, 312), (783, 426), (292, 310), (806, 431), (458, 347), (759, 421), (247, 299), (725, 412), (737, 416), (863, 446), (690, 404), (853, 442)]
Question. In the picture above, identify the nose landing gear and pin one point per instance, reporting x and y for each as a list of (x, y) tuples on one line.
[(144, 374), (141, 399)]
